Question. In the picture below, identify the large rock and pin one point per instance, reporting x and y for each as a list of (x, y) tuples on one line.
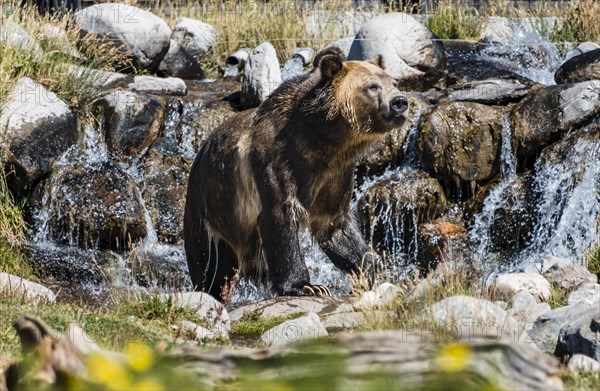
[(570, 277), (583, 67), (194, 36), (18, 287), (581, 335), (505, 286), (36, 128), (308, 326), (132, 121), (15, 36), (541, 118), (411, 53), (460, 142), (261, 75), (142, 35), (581, 363), (549, 326), (179, 63), (491, 91), (390, 210), (91, 207), (587, 292)]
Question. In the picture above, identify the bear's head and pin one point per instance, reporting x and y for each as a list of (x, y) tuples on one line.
[(364, 94)]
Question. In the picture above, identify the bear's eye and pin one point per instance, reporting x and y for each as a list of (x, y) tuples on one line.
[(374, 86)]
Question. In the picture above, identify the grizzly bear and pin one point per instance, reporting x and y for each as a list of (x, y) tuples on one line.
[(267, 173)]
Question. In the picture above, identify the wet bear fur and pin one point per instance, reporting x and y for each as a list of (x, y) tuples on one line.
[(267, 173)]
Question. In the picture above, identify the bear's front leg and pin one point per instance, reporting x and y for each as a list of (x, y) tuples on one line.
[(279, 224), (344, 244)]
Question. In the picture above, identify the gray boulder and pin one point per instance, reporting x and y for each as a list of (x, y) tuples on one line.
[(308, 326), (541, 118), (17, 37), (194, 36), (581, 335), (261, 75), (178, 62), (142, 35), (583, 363), (491, 91), (159, 86), (132, 122), (460, 142), (570, 276), (548, 328), (36, 128), (507, 285), (583, 67), (17, 287), (587, 292), (410, 52)]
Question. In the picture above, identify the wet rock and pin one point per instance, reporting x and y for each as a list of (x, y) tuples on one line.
[(541, 118), (158, 86), (511, 224), (179, 63), (132, 121), (194, 36), (570, 276), (583, 47), (308, 326), (36, 128), (142, 35), (460, 142), (261, 75), (491, 91), (410, 52), (390, 210), (206, 307), (581, 335), (18, 287), (463, 313), (547, 329), (583, 363), (381, 296), (393, 149), (164, 190), (586, 293), (78, 267), (508, 285), (583, 67), (92, 207), (470, 68), (437, 241), (285, 306)]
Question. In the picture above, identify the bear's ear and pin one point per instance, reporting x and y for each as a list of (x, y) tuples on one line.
[(378, 60), (330, 65)]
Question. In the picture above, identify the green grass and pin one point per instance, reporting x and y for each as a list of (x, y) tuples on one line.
[(581, 380), (592, 259), (255, 324)]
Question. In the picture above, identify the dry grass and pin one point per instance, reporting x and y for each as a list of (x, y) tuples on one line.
[(581, 23)]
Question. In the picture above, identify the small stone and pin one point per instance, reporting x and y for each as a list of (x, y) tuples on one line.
[(308, 326), (583, 363), (521, 300), (344, 320), (551, 260), (200, 333)]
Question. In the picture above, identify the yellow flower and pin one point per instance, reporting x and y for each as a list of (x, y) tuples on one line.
[(453, 357), (107, 371), (140, 357)]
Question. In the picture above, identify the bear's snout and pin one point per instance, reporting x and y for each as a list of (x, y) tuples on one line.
[(398, 105)]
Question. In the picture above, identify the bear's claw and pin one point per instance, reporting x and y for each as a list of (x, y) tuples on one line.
[(316, 290)]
